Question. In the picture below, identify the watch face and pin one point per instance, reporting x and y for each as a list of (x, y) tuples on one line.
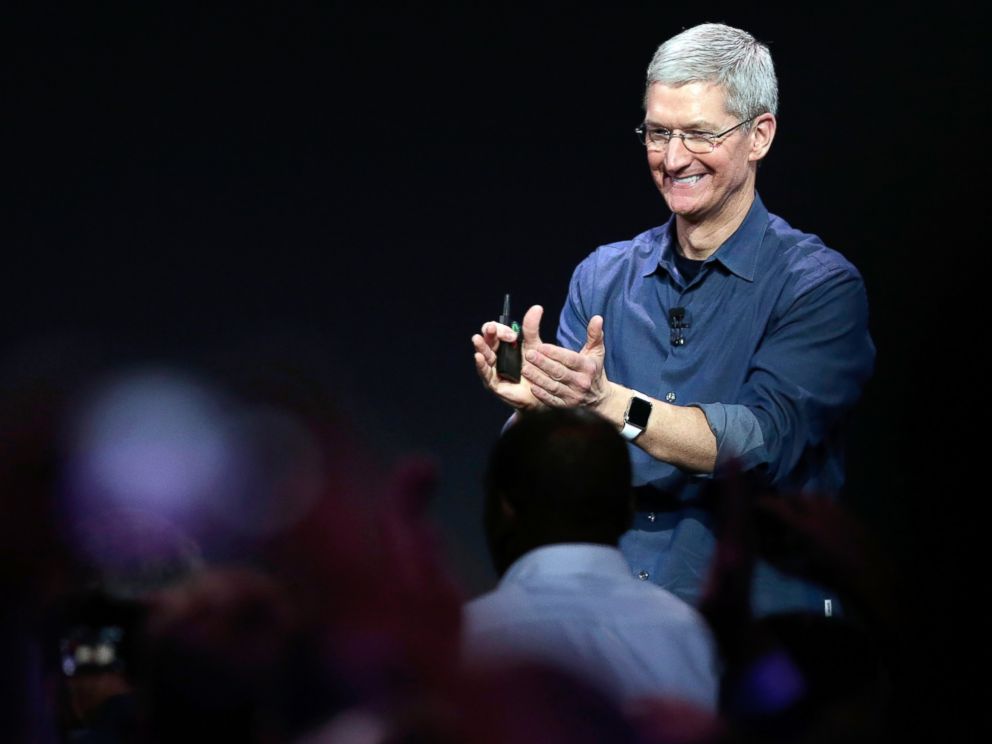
[(638, 412)]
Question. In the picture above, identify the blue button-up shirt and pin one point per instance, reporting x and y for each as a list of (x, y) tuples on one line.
[(775, 352)]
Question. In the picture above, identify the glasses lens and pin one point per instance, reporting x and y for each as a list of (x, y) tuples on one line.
[(651, 142), (698, 145)]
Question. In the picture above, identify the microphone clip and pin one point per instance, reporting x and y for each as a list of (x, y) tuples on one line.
[(677, 323)]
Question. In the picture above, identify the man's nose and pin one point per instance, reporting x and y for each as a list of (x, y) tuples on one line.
[(676, 154)]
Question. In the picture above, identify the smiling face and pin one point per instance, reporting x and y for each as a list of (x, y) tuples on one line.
[(712, 190)]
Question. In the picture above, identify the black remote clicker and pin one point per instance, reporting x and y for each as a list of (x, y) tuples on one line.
[(508, 355)]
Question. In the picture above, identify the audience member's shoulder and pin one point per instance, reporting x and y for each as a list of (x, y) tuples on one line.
[(492, 604), (675, 608)]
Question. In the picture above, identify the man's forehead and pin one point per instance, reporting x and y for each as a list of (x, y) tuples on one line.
[(691, 103)]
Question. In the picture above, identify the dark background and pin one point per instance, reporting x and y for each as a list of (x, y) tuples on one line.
[(353, 186)]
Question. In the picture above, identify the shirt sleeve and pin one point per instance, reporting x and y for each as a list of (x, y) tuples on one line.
[(806, 374), (576, 312)]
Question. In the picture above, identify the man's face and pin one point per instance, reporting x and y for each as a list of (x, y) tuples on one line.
[(702, 188)]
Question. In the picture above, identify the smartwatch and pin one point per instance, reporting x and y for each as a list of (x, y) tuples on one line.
[(635, 418)]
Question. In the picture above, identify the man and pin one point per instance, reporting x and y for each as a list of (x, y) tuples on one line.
[(723, 338), (557, 500)]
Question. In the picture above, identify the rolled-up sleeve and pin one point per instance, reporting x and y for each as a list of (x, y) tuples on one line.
[(737, 431)]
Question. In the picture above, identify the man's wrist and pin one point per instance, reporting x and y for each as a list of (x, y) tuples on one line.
[(636, 415), (613, 404), (606, 405)]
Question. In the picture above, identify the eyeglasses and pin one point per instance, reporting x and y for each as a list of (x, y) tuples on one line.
[(657, 138)]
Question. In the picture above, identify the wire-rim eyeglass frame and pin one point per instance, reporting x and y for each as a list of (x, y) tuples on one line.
[(692, 141)]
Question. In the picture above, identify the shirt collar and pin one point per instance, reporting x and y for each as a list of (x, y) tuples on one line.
[(739, 253), (565, 559)]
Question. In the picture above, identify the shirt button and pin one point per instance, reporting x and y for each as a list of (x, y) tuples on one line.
[(651, 516), (643, 575), (670, 396)]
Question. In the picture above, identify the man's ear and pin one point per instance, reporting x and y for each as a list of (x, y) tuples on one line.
[(762, 133)]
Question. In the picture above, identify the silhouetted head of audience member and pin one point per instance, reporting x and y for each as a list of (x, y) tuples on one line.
[(229, 657), (556, 476)]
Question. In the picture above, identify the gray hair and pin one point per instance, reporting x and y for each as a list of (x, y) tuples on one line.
[(727, 56)]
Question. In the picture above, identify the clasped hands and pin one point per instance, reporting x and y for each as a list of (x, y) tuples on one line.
[(550, 375)]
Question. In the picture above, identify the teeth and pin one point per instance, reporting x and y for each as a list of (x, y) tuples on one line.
[(688, 179)]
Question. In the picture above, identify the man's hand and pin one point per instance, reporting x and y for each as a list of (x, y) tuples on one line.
[(517, 394), (563, 378)]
